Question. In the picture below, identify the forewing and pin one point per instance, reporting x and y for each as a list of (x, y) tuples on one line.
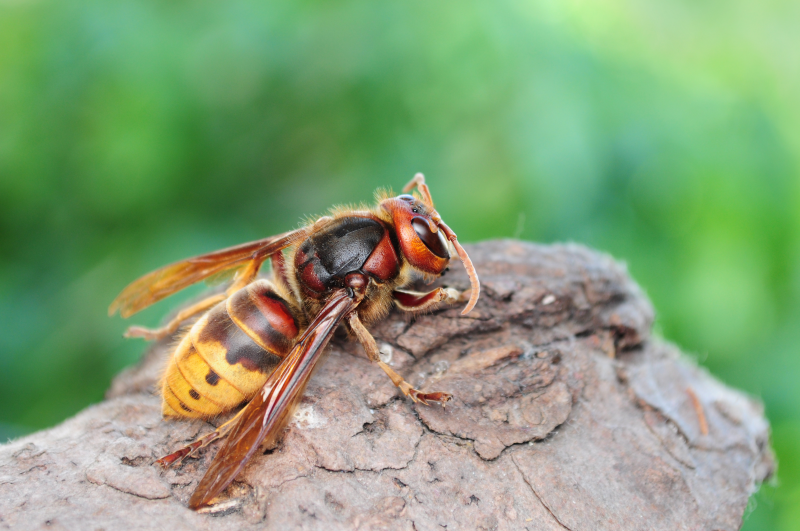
[(174, 277), (266, 414)]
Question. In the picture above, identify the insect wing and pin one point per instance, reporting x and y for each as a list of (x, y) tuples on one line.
[(169, 279), (267, 412)]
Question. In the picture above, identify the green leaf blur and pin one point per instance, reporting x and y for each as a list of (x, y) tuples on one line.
[(137, 133)]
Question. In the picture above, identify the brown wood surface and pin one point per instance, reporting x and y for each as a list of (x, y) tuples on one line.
[(567, 415)]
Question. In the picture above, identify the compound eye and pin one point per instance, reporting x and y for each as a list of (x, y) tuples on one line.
[(407, 197), (435, 242)]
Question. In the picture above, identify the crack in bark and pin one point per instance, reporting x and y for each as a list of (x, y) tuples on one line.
[(558, 521), (128, 492), (371, 470)]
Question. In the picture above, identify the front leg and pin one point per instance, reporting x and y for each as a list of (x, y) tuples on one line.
[(414, 301), (371, 347)]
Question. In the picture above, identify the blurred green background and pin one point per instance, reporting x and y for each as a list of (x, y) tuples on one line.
[(135, 133)]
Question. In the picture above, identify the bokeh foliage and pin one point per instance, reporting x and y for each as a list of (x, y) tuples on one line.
[(135, 133)]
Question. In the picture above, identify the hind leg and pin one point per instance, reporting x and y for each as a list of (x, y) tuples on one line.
[(176, 458), (243, 278), (154, 334)]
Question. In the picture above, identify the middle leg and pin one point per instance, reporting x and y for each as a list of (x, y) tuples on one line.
[(371, 347)]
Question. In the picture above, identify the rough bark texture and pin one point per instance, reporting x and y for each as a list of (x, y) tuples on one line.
[(567, 415)]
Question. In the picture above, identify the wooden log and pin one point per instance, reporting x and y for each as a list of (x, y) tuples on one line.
[(567, 415)]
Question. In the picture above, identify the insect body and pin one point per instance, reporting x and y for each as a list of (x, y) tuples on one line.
[(258, 342)]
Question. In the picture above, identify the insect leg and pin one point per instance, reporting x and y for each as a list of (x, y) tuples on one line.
[(266, 414), (176, 458), (371, 347), (150, 334), (413, 301), (243, 278)]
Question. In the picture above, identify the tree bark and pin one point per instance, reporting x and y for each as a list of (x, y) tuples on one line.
[(567, 415)]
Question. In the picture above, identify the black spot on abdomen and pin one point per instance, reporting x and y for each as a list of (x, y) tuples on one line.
[(212, 378)]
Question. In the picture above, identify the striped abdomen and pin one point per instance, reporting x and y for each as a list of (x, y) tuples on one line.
[(229, 352)]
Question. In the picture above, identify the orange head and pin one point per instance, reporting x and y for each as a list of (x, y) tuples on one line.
[(423, 236)]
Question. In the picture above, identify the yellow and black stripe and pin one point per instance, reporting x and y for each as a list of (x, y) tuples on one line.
[(229, 352)]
